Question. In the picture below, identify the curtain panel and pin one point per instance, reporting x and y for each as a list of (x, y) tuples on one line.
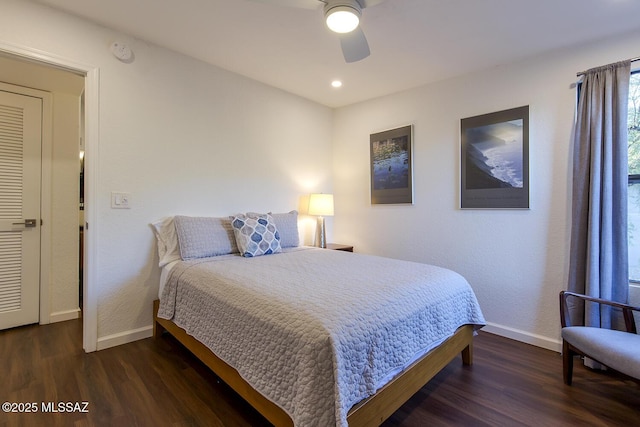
[(598, 260)]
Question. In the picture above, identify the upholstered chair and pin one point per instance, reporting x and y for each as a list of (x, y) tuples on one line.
[(617, 350)]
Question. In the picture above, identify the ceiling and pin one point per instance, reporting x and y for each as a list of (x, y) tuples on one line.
[(413, 42)]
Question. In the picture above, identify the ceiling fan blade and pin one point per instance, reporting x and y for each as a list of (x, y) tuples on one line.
[(369, 3), (300, 4), (354, 45)]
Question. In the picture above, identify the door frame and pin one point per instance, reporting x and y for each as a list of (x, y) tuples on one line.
[(45, 191), (91, 74)]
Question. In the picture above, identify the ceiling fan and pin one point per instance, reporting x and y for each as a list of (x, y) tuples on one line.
[(342, 17)]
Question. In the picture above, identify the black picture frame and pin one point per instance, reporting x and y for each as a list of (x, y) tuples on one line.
[(495, 160), (392, 166)]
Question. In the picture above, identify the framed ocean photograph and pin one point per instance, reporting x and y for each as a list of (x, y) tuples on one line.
[(495, 160), (391, 166)]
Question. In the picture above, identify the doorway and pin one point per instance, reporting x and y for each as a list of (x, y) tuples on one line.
[(80, 81)]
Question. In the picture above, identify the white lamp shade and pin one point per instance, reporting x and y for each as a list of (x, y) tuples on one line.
[(321, 204)]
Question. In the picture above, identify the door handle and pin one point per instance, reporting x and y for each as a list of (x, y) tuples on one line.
[(28, 223)]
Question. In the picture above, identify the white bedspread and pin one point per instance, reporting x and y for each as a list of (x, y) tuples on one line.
[(315, 330)]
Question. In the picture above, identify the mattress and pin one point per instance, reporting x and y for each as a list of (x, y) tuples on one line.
[(314, 330)]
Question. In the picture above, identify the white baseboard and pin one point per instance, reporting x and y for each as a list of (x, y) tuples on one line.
[(522, 336), (61, 316), (124, 337)]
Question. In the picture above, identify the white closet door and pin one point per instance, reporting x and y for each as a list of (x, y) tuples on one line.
[(20, 174)]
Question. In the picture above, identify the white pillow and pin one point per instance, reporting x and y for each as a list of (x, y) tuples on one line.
[(256, 234), (167, 239)]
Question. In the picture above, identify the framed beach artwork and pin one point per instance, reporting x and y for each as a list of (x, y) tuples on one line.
[(391, 166), (495, 160)]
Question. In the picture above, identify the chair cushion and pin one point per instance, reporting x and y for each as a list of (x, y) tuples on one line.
[(616, 349)]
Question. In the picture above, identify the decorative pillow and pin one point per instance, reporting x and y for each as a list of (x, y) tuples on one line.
[(287, 225), (201, 237), (167, 240), (256, 235)]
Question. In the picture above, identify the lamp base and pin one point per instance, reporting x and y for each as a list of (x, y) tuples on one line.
[(321, 236)]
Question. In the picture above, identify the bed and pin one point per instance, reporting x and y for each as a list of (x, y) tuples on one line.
[(313, 336)]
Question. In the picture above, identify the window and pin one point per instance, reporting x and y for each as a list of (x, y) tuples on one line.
[(634, 177)]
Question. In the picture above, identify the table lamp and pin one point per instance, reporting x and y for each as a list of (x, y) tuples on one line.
[(321, 205)]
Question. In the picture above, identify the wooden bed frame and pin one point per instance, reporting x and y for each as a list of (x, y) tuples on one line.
[(371, 411)]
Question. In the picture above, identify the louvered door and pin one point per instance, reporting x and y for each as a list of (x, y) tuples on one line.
[(20, 171)]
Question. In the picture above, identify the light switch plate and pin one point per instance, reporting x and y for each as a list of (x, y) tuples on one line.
[(120, 200)]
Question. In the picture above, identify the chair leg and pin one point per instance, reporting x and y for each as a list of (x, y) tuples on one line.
[(567, 362)]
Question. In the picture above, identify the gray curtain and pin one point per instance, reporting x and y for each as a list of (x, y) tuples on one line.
[(598, 260)]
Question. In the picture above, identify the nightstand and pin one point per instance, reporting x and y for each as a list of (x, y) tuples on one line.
[(339, 247)]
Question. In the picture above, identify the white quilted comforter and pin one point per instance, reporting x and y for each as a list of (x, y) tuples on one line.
[(315, 330)]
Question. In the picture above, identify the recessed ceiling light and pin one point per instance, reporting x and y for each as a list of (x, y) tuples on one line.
[(336, 83)]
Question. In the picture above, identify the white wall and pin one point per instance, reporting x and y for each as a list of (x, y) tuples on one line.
[(182, 137), (516, 260)]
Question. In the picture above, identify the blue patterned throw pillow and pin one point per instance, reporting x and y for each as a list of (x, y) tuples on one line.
[(287, 224), (256, 235)]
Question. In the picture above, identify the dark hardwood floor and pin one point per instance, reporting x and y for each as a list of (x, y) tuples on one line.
[(159, 383)]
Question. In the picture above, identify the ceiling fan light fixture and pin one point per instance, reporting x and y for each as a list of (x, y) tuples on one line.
[(342, 16)]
